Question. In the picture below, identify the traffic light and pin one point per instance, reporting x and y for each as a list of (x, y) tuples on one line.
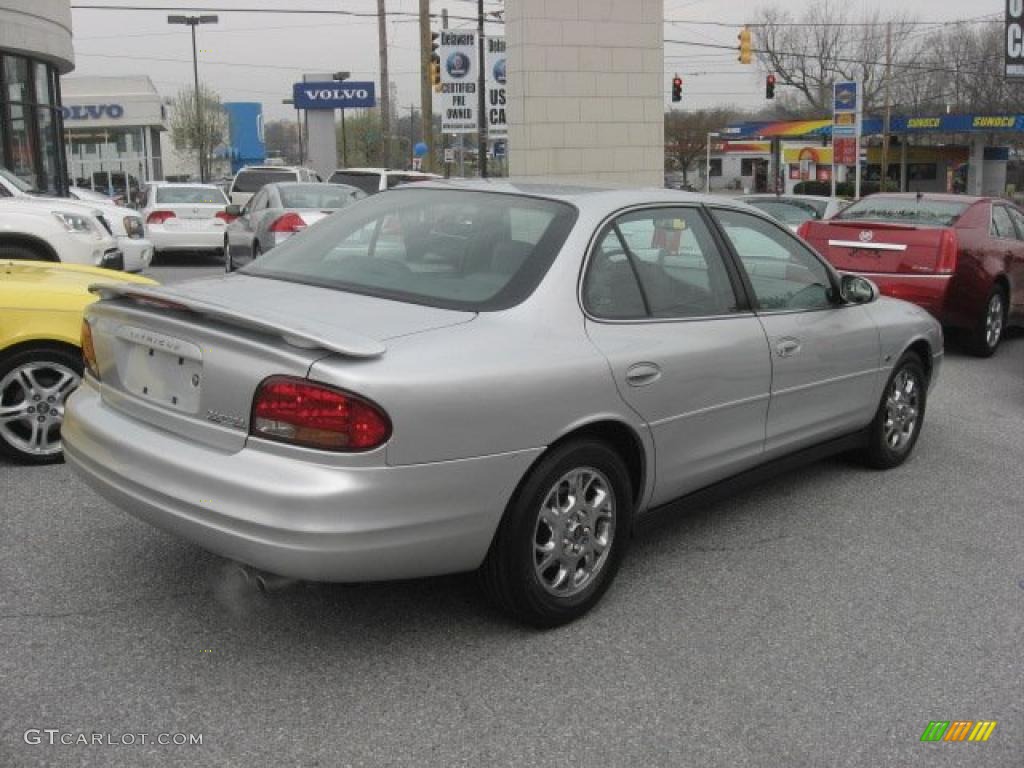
[(744, 46), (769, 87), (435, 61), (677, 88)]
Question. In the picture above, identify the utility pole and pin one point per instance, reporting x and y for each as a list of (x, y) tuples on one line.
[(193, 22), (481, 118), (426, 87), (385, 84), (888, 108)]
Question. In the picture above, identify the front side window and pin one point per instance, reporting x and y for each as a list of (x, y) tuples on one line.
[(784, 274), (444, 248), (659, 263)]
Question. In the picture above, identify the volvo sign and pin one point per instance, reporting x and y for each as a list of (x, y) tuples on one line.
[(333, 95)]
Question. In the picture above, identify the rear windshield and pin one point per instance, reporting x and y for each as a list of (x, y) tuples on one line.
[(905, 210), (254, 181), (193, 195), (318, 195), (454, 249), (789, 211), (368, 182)]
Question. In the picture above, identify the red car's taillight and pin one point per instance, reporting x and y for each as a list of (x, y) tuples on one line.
[(89, 351), (159, 217), (225, 216), (289, 222), (948, 247), (303, 413), (803, 229)]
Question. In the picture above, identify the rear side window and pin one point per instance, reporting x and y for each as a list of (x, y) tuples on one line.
[(659, 263), (1002, 227), (907, 210), (254, 181), (1018, 219)]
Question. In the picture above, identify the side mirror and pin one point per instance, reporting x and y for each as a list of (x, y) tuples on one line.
[(233, 210), (858, 290)]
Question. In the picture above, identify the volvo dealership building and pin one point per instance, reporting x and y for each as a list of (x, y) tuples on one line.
[(35, 49)]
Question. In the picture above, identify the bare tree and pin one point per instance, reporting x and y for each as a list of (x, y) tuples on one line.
[(824, 45), (190, 135), (686, 135)]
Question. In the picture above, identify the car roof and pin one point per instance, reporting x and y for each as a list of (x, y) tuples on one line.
[(948, 197), (767, 196), (576, 192), (286, 168), (204, 185)]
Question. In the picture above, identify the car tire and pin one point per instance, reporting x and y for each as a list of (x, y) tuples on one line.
[(23, 253), (900, 416), (984, 339), (34, 385), (552, 558), (229, 265), (256, 250)]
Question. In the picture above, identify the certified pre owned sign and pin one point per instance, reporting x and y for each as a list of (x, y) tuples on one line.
[(1015, 38)]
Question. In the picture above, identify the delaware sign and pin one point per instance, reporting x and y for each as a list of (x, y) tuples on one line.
[(333, 95)]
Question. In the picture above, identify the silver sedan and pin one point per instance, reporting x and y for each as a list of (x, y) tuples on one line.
[(277, 212), (489, 376)]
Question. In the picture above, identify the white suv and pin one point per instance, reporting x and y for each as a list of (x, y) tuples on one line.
[(250, 180), (123, 223), (49, 229)]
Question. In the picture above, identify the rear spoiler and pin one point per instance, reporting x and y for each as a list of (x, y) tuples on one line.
[(347, 344)]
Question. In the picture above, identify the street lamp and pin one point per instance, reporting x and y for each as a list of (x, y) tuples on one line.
[(341, 77), (193, 22), (298, 126), (707, 168)]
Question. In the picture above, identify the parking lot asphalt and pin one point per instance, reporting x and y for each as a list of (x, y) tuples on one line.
[(821, 619)]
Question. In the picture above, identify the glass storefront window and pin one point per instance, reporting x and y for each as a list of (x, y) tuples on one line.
[(42, 78), (48, 181), (16, 78), (22, 161)]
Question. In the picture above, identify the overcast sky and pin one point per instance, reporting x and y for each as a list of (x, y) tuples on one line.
[(257, 56)]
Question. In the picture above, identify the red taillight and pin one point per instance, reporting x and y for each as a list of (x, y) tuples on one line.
[(159, 217), (301, 412), (289, 222), (224, 216), (948, 247), (803, 229), (89, 351)]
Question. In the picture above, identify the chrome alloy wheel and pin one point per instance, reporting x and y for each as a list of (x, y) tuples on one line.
[(902, 408), (574, 531), (994, 320), (32, 406)]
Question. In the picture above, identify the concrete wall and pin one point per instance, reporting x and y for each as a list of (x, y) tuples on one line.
[(586, 89), (39, 28)]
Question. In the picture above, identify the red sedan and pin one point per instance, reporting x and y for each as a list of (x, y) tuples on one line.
[(959, 257)]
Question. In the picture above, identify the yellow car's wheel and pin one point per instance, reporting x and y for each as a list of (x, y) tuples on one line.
[(34, 385)]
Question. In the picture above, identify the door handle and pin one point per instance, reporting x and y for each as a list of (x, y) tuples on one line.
[(787, 347), (642, 374)]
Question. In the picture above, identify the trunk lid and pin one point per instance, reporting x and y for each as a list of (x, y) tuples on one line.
[(189, 359), (881, 247)]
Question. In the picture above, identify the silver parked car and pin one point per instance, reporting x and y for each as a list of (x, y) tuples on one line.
[(492, 376), (794, 210), (277, 212)]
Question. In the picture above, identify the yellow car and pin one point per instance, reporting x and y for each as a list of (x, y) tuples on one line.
[(41, 305)]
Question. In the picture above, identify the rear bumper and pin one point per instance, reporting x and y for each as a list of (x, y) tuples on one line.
[(294, 517), (930, 292)]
